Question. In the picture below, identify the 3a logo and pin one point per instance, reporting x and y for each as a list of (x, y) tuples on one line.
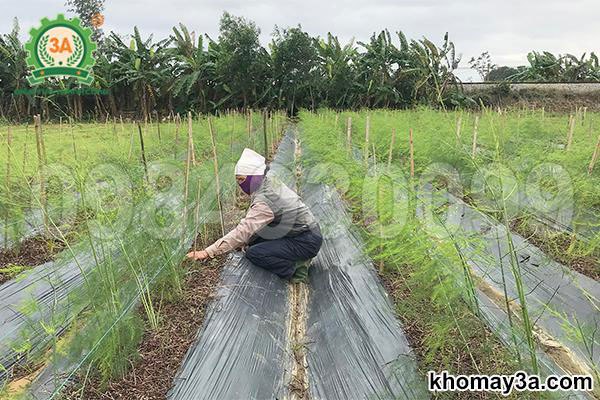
[(61, 48)]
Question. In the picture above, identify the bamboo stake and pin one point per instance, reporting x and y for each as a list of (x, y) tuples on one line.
[(131, 142), (594, 157), (216, 167), (73, 138), (41, 163), (8, 189), (571, 131), (248, 122), (251, 121), (122, 125), (232, 115), (177, 127), (38, 141), (252, 132), (367, 129), (158, 127), (114, 128), (391, 147), (412, 154), (583, 115), (197, 212), (25, 148), (8, 155), (474, 151), (187, 187), (273, 134), (349, 136), (458, 128), (264, 134), (374, 156), (143, 152), (42, 140), (37, 138), (191, 140)]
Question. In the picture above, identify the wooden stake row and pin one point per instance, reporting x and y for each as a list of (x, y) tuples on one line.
[(475, 132)]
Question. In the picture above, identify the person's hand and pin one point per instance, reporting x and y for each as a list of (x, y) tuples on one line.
[(198, 255)]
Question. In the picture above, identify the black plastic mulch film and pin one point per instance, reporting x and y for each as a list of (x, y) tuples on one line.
[(355, 348), (563, 304), (558, 298), (43, 297), (241, 352)]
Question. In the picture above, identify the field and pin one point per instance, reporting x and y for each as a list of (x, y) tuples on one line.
[(473, 227), (118, 214), (470, 239)]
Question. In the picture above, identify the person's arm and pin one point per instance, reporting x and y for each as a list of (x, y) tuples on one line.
[(257, 217)]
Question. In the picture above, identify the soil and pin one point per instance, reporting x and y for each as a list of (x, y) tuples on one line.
[(557, 247), (40, 249), (161, 352), (29, 254)]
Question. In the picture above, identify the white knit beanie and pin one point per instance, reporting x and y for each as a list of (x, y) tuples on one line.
[(250, 163)]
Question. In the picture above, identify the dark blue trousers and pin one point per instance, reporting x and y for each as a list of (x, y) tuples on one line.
[(280, 255)]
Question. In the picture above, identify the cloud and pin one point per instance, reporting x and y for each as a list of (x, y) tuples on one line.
[(507, 29)]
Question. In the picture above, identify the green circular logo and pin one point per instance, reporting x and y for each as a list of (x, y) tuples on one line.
[(61, 48)]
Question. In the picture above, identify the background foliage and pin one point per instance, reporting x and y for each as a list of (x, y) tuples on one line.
[(194, 72)]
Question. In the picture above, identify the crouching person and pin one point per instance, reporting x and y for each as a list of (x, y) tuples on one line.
[(280, 231)]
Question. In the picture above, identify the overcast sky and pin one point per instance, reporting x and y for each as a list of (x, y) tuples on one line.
[(508, 29)]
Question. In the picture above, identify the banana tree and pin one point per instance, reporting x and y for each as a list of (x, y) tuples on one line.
[(13, 69), (433, 69), (376, 66), (144, 66), (195, 70), (337, 70)]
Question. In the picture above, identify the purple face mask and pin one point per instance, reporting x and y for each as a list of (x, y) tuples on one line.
[(251, 183)]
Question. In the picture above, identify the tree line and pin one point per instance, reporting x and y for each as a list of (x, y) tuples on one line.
[(141, 77), (189, 72), (543, 67)]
